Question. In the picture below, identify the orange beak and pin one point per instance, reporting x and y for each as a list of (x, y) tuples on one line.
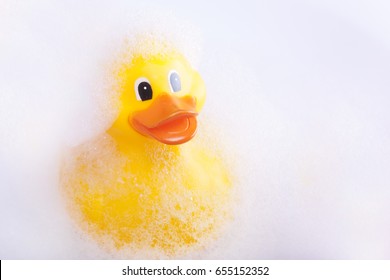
[(169, 119)]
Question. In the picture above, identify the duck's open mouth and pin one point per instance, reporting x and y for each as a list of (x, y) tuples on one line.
[(174, 130), (170, 120)]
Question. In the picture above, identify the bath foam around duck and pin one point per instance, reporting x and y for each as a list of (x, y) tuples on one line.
[(133, 193), (163, 203)]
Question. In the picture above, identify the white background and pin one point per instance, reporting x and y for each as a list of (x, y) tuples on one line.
[(301, 88)]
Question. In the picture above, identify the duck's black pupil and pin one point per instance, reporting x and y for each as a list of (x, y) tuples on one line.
[(145, 91), (174, 79)]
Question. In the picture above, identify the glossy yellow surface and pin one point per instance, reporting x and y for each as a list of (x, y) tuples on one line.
[(133, 191), (156, 70)]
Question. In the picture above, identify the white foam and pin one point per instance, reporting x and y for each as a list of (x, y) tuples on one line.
[(300, 91)]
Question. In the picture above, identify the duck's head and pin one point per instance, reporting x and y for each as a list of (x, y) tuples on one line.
[(161, 97)]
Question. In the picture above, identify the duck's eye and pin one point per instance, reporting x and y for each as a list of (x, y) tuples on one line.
[(174, 81), (143, 89)]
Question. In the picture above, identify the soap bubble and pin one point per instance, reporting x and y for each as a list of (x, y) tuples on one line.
[(297, 98)]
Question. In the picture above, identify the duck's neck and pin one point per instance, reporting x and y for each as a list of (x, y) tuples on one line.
[(133, 142)]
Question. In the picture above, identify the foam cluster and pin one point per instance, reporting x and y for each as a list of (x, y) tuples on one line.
[(168, 201)]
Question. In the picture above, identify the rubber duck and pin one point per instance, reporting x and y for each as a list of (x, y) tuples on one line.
[(150, 183)]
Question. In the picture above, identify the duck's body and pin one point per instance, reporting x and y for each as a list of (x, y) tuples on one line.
[(134, 185)]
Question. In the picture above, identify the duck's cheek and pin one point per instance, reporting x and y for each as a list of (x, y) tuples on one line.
[(198, 90)]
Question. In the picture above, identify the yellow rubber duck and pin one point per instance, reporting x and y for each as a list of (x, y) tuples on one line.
[(143, 185)]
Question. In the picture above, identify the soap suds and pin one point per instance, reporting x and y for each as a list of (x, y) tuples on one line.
[(297, 93)]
